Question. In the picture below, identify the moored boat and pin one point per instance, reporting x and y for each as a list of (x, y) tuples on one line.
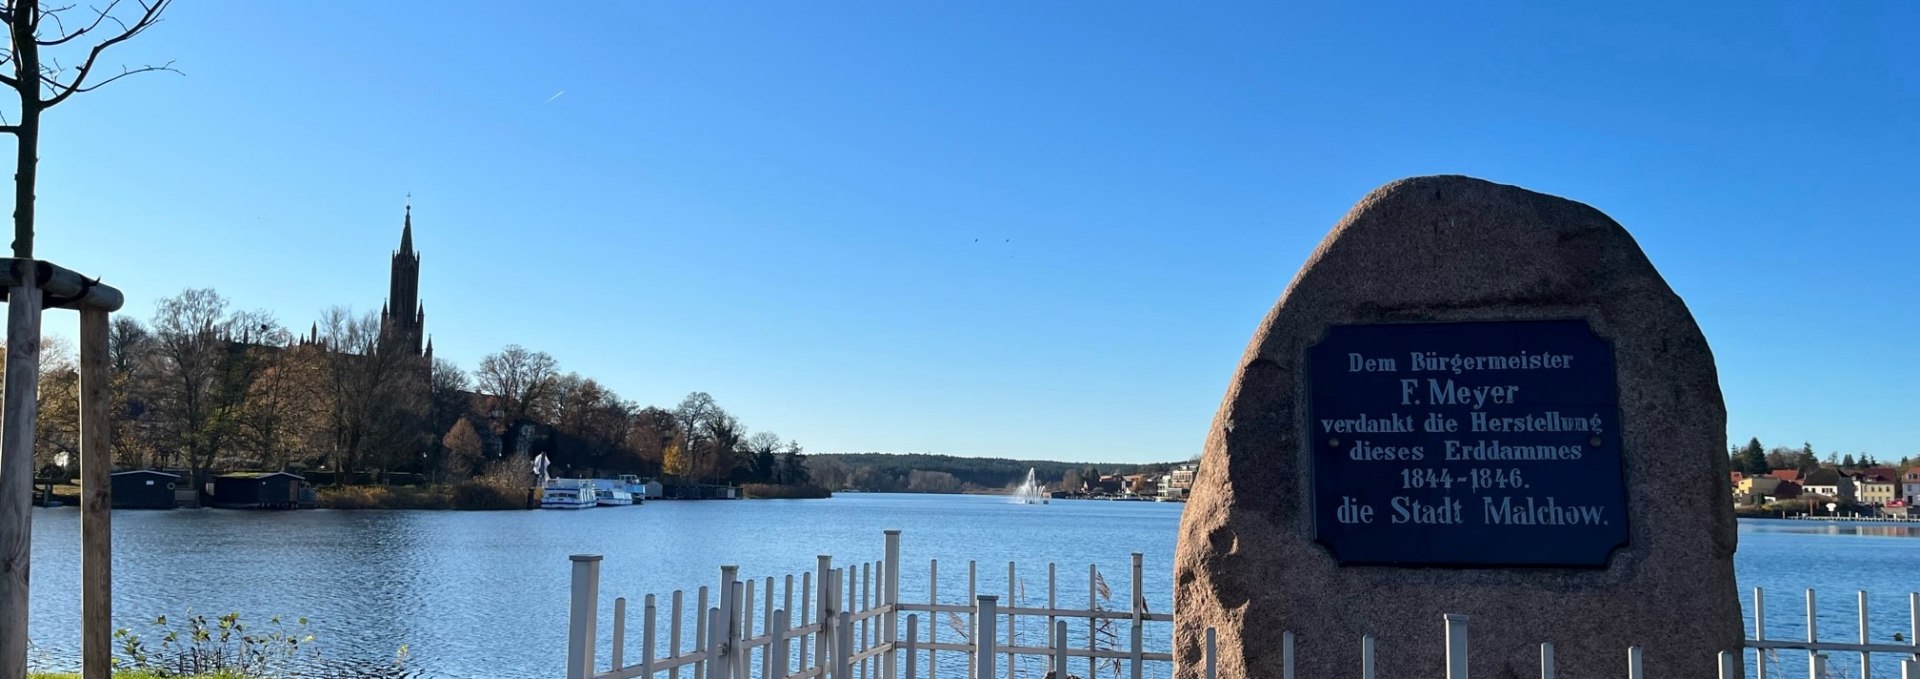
[(613, 498), (568, 494)]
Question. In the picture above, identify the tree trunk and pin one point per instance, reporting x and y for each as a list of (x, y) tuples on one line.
[(26, 54)]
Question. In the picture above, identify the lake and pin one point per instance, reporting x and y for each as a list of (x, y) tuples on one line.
[(485, 593)]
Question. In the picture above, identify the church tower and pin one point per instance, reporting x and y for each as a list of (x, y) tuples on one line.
[(403, 322)]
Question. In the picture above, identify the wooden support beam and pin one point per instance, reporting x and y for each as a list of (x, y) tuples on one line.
[(16, 471), (96, 499), (61, 288)]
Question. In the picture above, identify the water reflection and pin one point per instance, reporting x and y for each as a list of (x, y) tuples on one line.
[(1893, 529)]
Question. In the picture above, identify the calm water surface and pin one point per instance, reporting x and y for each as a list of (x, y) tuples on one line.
[(484, 594)]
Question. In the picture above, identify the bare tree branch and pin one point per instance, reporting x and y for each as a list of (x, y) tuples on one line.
[(124, 72), (148, 18), (101, 16)]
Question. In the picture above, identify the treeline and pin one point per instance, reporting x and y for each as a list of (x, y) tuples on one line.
[(208, 388), (1755, 458), (927, 473)]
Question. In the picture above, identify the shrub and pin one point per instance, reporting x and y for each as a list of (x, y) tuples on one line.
[(483, 495), (226, 648)]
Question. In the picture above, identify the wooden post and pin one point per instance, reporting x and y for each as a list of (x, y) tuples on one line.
[(16, 470), (584, 613), (96, 499)]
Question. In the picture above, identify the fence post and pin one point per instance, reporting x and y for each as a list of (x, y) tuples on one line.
[(702, 631), (619, 632), (716, 662), (1634, 670), (776, 647), (824, 607), (1866, 659), (1546, 660), (1139, 613), (767, 622), (1729, 665), (1456, 645), (983, 624), (843, 653), (1759, 633), (1816, 663), (1093, 625), (933, 617), (648, 630), (889, 597), (736, 640), (913, 659), (585, 613), (1910, 669), (1212, 653), (806, 611), (1286, 655), (1366, 657), (1059, 649), (673, 633)]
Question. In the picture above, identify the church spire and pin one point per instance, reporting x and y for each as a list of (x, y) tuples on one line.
[(406, 229)]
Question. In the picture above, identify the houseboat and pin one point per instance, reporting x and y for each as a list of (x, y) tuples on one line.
[(620, 492), (568, 494), (610, 494)]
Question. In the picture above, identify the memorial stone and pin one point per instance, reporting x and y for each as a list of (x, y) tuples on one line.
[(1477, 400)]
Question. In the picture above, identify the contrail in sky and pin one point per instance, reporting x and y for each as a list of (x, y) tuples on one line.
[(556, 95)]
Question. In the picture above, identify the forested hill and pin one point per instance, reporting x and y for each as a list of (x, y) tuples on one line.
[(922, 472)]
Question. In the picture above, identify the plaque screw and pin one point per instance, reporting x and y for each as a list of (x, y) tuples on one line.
[(1595, 441), (1333, 442)]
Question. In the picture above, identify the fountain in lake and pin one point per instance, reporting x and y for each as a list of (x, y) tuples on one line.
[(1031, 492)]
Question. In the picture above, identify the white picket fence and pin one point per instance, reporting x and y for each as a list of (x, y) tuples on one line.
[(847, 627), (1766, 652)]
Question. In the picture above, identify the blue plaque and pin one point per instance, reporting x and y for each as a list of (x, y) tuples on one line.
[(1486, 444)]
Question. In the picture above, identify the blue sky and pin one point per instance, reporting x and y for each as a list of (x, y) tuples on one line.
[(996, 229)]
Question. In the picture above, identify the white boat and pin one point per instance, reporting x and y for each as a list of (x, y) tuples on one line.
[(620, 492), (568, 494)]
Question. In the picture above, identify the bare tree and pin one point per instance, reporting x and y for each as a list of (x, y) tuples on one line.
[(280, 413), (724, 437), (190, 387), (57, 394), (42, 82), (373, 398), (692, 415), (128, 345), (521, 378)]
